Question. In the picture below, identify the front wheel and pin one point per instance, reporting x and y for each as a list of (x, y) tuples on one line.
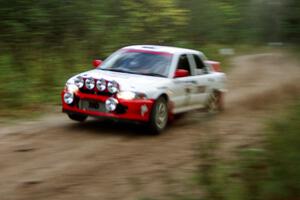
[(159, 116), (77, 117)]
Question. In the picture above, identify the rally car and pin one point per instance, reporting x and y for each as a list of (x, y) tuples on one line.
[(146, 83)]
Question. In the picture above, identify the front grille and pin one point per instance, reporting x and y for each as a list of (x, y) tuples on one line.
[(86, 91), (90, 105)]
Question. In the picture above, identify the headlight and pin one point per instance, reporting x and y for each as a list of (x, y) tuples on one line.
[(101, 85), (90, 83), (71, 88), (111, 104), (79, 82), (127, 95), (113, 87), (68, 98)]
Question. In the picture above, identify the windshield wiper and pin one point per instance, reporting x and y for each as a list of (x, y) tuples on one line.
[(118, 70), (129, 72), (153, 74)]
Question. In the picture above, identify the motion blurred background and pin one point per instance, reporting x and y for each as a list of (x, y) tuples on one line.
[(45, 42)]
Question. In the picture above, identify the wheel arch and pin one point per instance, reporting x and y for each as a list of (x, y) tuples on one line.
[(170, 105), (153, 121), (220, 93), (165, 96), (215, 90)]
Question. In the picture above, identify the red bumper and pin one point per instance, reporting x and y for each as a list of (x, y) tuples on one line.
[(132, 108)]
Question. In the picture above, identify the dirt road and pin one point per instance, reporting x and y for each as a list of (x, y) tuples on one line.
[(54, 158)]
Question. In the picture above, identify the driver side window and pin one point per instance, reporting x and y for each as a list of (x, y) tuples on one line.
[(183, 63)]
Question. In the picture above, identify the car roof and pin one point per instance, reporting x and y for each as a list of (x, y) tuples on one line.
[(168, 49)]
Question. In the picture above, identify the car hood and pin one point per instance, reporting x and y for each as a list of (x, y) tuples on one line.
[(127, 82)]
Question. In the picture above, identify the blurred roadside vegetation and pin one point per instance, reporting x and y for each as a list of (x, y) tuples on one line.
[(45, 42), (269, 172)]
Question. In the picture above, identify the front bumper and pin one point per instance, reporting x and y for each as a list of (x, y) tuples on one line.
[(136, 110)]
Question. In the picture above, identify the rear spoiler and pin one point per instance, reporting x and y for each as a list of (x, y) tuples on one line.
[(215, 66)]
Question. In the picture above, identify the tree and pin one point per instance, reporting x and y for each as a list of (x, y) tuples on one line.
[(152, 21), (291, 21)]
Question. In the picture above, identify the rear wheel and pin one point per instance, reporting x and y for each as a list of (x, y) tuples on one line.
[(215, 102), (159, 116), (77, 117)]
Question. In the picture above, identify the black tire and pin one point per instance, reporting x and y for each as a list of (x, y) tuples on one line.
[(77, 117), (215, 102), (159, 116)]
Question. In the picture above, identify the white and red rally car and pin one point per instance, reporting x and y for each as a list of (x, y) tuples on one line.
[(145, 83)]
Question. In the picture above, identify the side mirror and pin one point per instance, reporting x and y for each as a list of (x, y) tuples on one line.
[(97, 63), (181, 73)]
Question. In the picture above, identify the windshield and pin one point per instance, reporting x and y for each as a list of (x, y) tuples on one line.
[(139, 62)]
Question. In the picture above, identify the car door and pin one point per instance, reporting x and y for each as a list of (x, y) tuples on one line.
[(200, 82), (182, 84)]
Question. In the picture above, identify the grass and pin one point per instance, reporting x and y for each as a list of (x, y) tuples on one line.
[(268, 173), (34, 80), (284, 156)]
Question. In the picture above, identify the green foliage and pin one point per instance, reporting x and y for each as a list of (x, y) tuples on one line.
[(214, 20), (283, 157), (259, 174), (44, 42), (140, 21), (291, 21), (62, 23)]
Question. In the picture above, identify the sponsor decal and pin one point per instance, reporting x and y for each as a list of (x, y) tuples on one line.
[(162, 88), (201, 89)]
